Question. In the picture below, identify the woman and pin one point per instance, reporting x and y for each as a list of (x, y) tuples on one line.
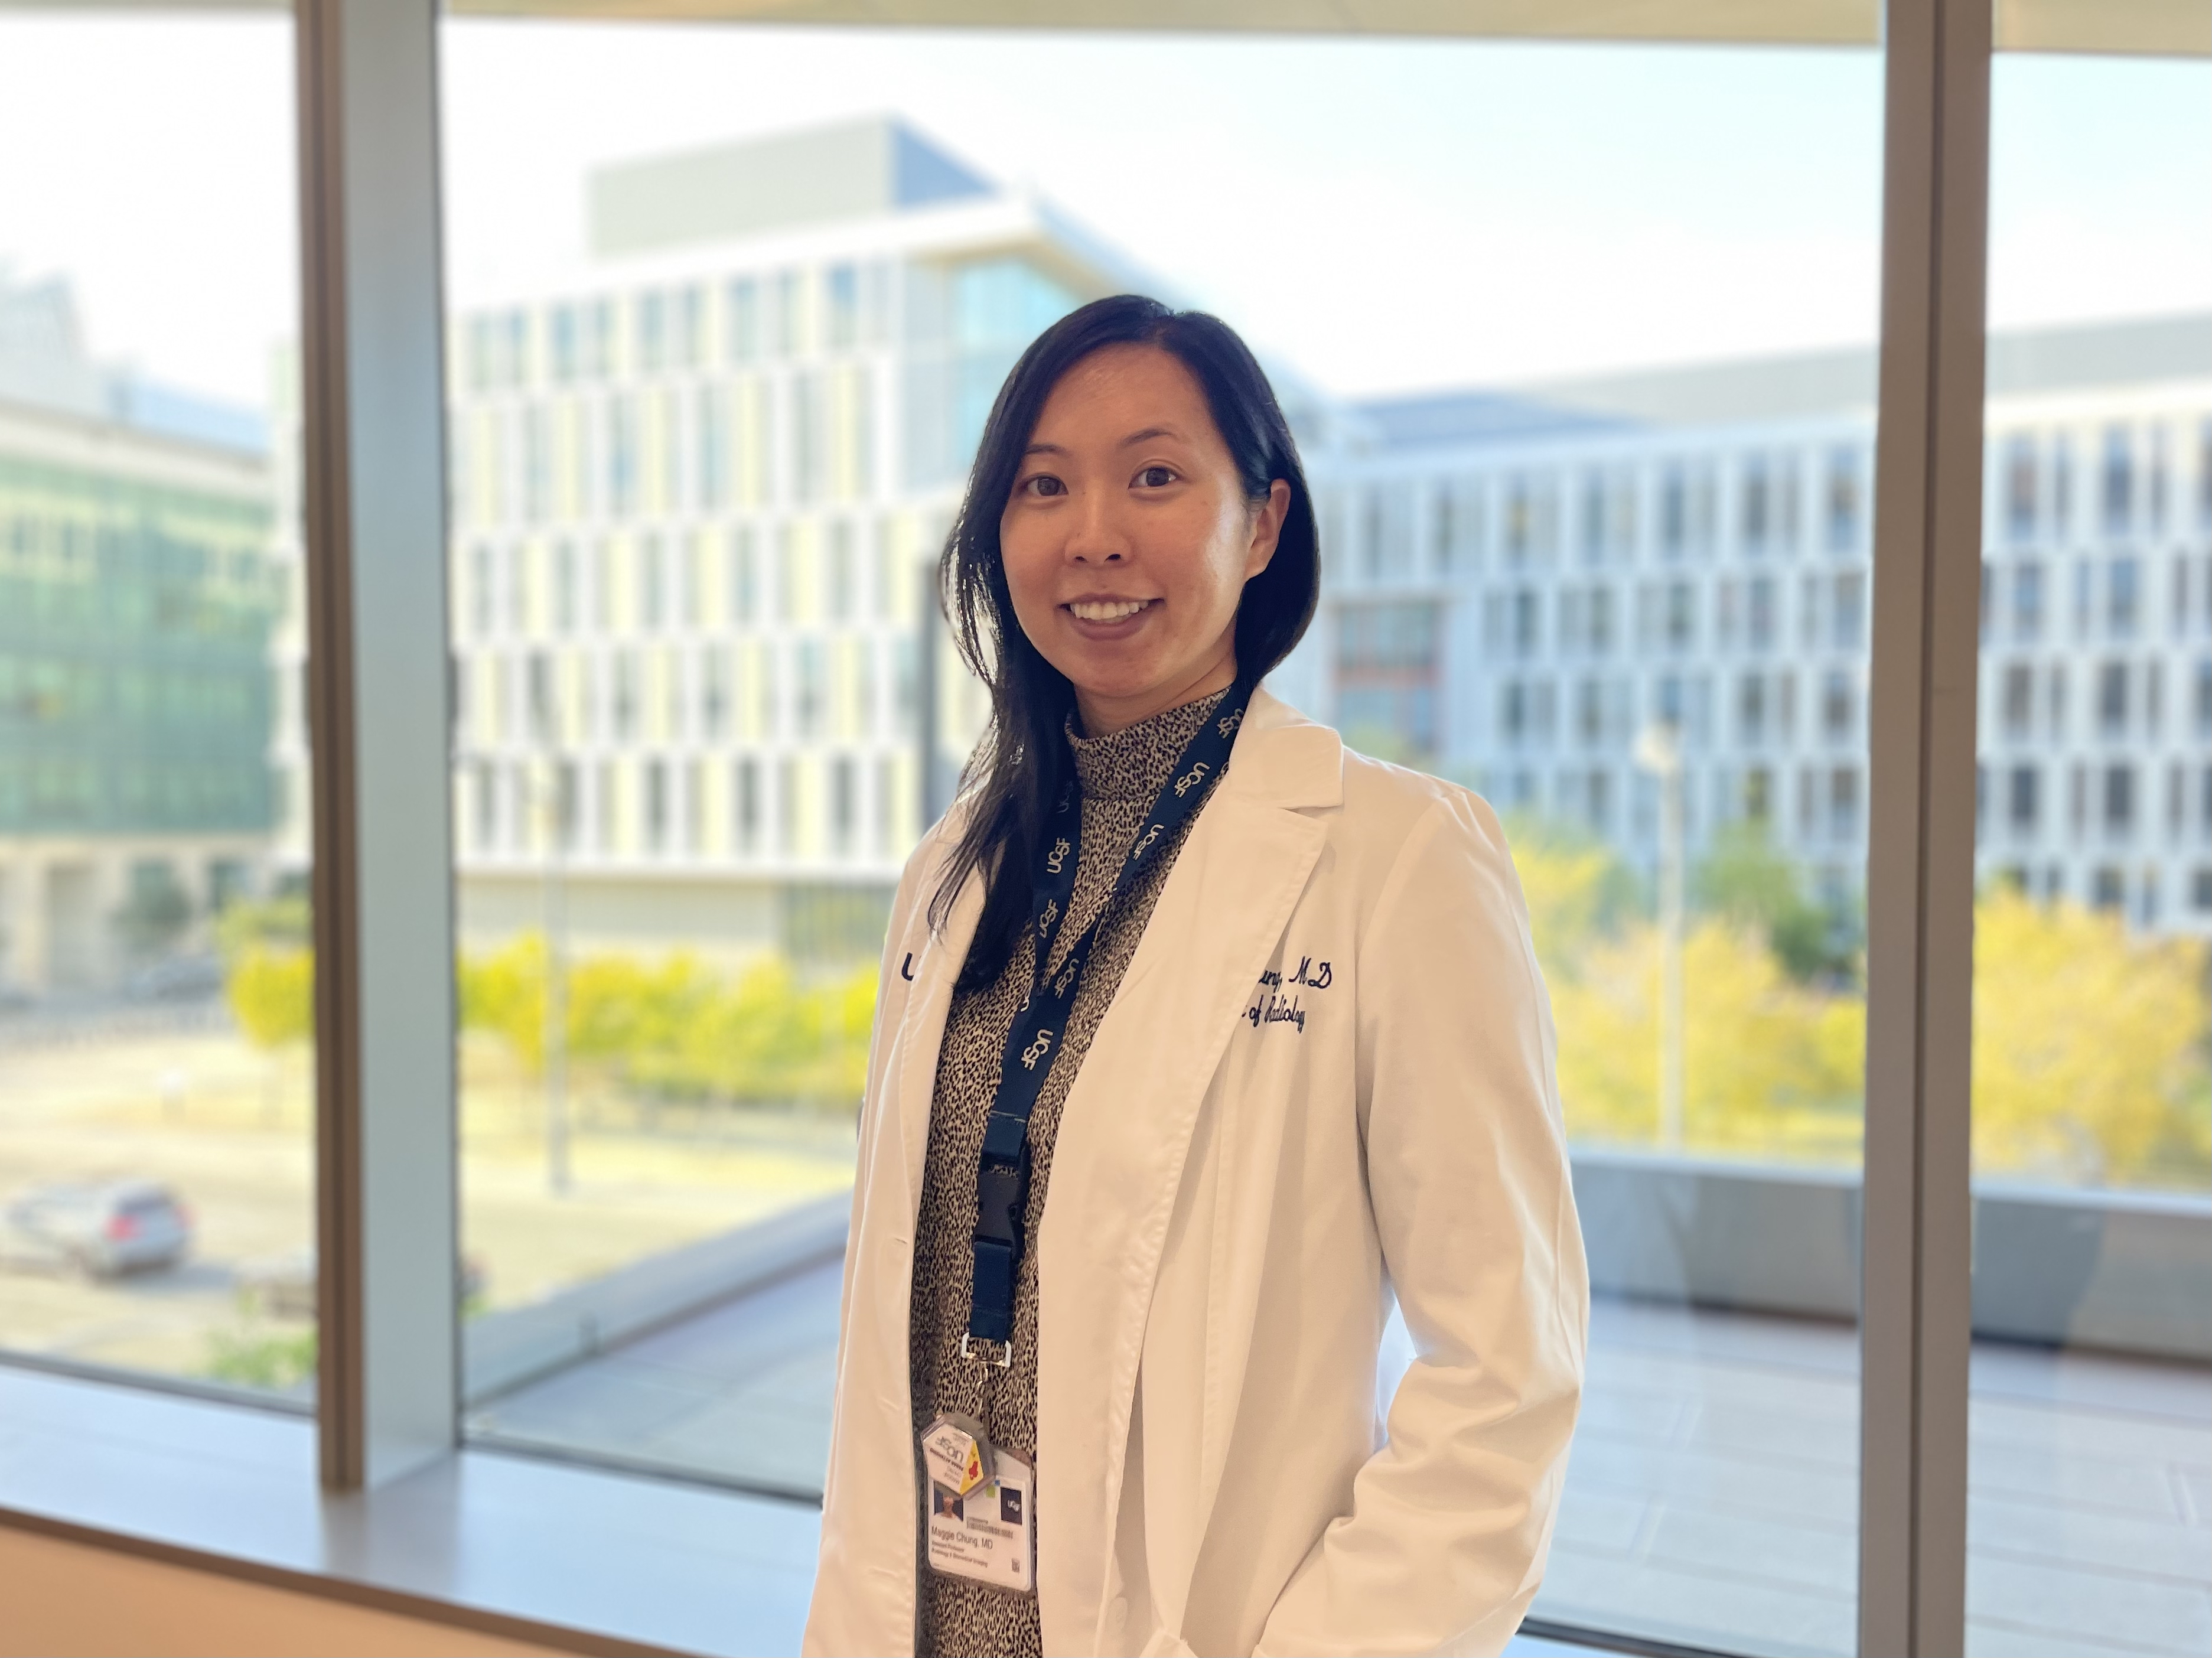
[(1127, 1229)]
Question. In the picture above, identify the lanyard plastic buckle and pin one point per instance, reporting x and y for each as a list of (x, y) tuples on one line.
[(1001, 1194)]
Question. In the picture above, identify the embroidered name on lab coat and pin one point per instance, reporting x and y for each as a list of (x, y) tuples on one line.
[(1271, 1006)]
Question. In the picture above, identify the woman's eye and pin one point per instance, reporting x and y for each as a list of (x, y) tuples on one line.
[(1156, 478), (1043, 484)]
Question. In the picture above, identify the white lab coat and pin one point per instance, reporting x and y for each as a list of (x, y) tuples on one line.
[(1327, 1076)]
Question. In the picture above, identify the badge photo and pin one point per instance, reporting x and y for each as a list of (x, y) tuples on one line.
[(988, 1536)]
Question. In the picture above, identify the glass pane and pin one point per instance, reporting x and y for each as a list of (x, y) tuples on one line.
[(2090, 1500), (156, 1173), (1585, 385)]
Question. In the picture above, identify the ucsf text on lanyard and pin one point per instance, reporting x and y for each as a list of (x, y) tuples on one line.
[(1002, 1174)]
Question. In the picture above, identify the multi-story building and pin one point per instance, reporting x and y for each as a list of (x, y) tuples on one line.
[(698, 481), (136, 598), (1521, 585), (696, 485)]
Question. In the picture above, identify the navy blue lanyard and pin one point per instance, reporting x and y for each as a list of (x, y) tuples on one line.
[(1002, 1173)]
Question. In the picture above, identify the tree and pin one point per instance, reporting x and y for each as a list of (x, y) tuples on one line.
[(272, 995), (676, 1028), (2089, 1055), (1744, 880), (269, 969), (1577, 890), (1773, 1066), (155, 914)]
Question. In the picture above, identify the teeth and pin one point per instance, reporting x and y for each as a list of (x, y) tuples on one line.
[(1109, 610)]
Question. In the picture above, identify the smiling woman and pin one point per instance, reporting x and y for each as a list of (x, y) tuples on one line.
[(1135, 456), (1129, 537), (1155, 1429)]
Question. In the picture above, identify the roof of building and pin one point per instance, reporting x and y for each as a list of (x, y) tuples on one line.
[(1462, 417), (1797, 384), (851, 169), (45, 366)]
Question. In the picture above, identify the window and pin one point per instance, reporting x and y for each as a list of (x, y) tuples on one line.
[(1837, 706), (1757, 504), (1673, 511), (1681, 616), (156, 962), (841, 293), (1847, 616), (1751, 708), (2019, 701), (1842, 803), (2045, 1562), (650, 339), (2204, 474), (2119, 799), (2116, 492), (1600, 635), (742, 319), (2019, 487), (1386, 674), (2112, 699), (2027, 601), (2123, 578), (1759, 629), (706, 398), (843, 807), (1844, 509)]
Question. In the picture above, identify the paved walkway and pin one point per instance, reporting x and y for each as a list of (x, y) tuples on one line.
[(1713, 1496)]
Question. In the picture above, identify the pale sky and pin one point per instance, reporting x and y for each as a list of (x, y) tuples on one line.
[(1386, 215)]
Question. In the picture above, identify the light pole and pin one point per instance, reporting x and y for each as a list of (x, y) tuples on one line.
[(1659, 751), (557, 814)]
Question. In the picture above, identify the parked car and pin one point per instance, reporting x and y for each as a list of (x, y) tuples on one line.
[(176, 979), (102, 1229)]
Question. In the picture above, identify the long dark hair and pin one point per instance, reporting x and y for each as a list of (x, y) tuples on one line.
[(1018, 771)]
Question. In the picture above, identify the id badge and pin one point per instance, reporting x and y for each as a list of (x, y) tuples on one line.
[(987, 1535)]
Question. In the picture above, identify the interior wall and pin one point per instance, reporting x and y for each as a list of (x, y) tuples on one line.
[(74, 1601)]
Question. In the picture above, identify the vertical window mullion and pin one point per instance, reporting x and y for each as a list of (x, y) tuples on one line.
[(1916, 1220), (375, 486)]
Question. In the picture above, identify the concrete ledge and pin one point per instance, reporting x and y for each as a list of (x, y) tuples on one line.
[(2123, 1271), (504, 1349)]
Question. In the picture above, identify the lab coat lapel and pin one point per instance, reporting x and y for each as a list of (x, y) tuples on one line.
[(938, 959), (1124, 1136)]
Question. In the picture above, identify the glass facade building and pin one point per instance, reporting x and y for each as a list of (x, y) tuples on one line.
[(138, 599)]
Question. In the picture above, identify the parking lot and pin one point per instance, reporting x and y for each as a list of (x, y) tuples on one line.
[(186, 1103)]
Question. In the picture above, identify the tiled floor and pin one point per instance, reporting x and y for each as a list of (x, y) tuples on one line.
[(1713, 1496)]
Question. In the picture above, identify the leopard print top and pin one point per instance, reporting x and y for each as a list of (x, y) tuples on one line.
[(1121, 774)]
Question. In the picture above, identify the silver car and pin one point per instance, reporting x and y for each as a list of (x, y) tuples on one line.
[(103, 1230)]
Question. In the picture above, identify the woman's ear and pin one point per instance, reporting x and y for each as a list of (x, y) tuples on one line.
[(1266, 528)]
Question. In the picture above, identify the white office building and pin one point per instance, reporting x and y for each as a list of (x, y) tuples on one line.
[(1521, 584)]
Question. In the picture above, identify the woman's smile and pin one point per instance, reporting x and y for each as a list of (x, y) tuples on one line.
[(1104, 619)]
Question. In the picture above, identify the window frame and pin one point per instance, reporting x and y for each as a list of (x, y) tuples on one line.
[(372, 337)]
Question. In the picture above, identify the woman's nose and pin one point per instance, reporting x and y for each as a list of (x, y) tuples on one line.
[(1094, 538)]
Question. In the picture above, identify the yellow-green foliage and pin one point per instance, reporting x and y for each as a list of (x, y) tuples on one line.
[(2089, 1046), (272, 993), (676, 1029), (1769, 1064), (269, 970), (256, 1355), (2091, 1055)]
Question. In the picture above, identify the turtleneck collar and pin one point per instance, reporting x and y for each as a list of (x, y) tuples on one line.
[(1135, 762)]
